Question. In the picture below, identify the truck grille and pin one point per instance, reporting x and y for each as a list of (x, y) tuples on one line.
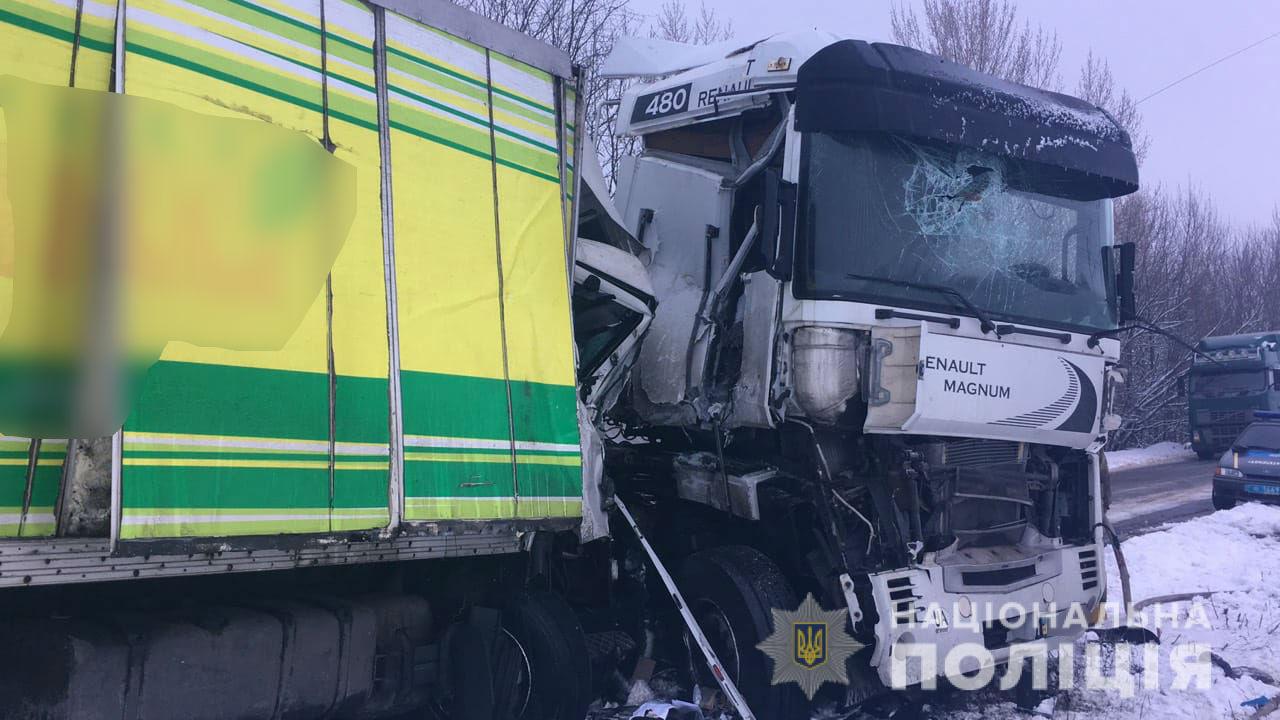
[(973, 451), (1228, 416), (1223, 432)]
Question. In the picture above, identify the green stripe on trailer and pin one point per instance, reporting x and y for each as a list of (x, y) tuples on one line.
[(220, 448)]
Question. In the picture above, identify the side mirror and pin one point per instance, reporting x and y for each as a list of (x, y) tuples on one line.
[(778, 224), (1124, 284)]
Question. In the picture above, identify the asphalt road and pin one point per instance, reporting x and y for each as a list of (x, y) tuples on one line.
[(1144, 498)]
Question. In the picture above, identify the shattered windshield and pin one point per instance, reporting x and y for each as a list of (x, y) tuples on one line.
[(880, 206)]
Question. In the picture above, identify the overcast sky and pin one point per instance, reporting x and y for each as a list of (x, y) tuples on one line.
[(1219, 130)]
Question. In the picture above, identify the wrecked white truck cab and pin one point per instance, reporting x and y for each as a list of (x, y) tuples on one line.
[(883, 355)]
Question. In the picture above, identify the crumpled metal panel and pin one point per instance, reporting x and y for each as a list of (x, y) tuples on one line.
[(668, 373)]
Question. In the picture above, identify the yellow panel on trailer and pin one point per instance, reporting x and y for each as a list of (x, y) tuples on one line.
[(429, 373), (57, 44)]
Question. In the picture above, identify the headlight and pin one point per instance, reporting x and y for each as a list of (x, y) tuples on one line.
[(1230, 472)]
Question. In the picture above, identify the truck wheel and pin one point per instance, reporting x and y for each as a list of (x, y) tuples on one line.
[(541, 667), (1206, 454), (731, 591), (1223, 502)]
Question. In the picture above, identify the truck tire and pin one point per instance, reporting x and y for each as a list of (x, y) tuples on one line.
[(1206, 454), (731, 591), (1223, 502), (541, 662)]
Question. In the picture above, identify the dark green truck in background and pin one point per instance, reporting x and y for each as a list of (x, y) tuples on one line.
[(1222, 395)]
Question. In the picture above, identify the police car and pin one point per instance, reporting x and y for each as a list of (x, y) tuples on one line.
[(1250, 469)]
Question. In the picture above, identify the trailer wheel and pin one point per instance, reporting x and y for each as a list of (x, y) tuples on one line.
[(731, 591), (541, 667)]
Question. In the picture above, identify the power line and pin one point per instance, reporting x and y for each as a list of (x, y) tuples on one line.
[(1222, 59)]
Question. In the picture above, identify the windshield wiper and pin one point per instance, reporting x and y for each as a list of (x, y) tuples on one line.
[(1140, 324), (984, 323)]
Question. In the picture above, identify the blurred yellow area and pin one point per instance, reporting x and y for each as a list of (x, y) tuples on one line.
[(126, 223)]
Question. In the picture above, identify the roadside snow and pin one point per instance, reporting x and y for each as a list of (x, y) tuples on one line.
[(1158, 454), (1233, 556)]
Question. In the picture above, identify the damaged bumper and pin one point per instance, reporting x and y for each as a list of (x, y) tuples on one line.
[(942, 620)]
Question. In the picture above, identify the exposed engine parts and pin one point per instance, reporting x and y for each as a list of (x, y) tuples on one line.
[(826, 370), (878, 502)]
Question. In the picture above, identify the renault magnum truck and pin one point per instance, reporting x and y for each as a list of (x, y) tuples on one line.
[(884, 350), (326, 245), (1233, 376)]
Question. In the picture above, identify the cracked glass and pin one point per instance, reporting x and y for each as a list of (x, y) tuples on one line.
[(880, 206)]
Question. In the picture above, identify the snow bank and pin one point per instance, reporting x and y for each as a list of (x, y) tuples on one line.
[(1158, 454), (1236, 554), (1230, 550)]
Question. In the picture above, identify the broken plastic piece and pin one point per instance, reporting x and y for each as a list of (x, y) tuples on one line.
[(668, 709)]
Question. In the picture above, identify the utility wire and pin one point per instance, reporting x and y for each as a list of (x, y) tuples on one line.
[(1222, 59)]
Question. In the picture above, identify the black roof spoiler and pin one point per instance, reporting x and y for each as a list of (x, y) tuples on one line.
[(1076, 147)]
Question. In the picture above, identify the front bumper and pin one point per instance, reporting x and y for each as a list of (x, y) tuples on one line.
[(1207, 440), (1247, 489), (933, 622)]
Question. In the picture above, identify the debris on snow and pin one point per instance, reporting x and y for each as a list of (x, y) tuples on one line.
[(1233, 556)]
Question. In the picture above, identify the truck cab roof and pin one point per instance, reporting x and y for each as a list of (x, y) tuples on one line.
[(1222, 342), (844, 85)]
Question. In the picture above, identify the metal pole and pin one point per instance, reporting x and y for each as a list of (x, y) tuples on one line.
[(722, 678)]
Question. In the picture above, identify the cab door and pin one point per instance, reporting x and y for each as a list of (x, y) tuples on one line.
[(613, 306)]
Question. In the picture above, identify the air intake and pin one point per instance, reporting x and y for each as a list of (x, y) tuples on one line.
[(1089, 569), (902, 598), (969, 452)]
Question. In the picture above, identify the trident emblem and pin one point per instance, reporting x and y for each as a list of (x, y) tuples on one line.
[(811, 644)]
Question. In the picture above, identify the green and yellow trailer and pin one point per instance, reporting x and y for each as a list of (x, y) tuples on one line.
[(323, 250)]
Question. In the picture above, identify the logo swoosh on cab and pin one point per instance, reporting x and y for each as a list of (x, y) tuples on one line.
[(1081, 419), (1080, 396)]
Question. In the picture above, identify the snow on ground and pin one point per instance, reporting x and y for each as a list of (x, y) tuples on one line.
[(1158, 454), (1234, 554)]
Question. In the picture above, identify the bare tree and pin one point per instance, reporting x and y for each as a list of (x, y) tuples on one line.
[(1098, 86), (586, 30), (984, 35), (672, 23), (1196, 276)]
